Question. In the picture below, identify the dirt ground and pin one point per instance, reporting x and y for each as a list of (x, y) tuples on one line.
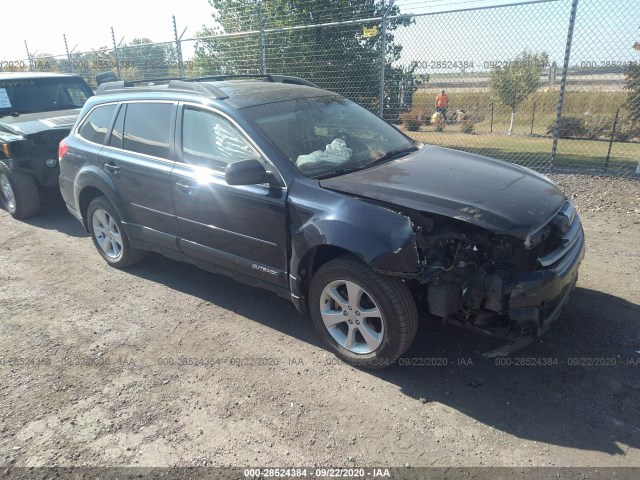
[(98, 369)]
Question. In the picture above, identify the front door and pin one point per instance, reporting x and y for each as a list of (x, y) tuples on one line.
[(241, 228)]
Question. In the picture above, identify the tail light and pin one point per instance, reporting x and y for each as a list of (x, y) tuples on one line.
[(63, 148)]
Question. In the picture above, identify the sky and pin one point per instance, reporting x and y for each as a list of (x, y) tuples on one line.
[(87, 24), (606, 28), (605, 31)]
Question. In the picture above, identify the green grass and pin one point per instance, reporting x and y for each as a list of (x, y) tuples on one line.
[(530, 145), (536, 151)]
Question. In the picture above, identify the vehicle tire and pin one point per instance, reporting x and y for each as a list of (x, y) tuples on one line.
[(368, 319), (19, 193), (108, 235)]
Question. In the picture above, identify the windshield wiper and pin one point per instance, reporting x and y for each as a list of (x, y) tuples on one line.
[(338, 171), (393, 154)]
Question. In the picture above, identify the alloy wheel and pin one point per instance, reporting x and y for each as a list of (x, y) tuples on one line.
[(352, 317), (107, 234)]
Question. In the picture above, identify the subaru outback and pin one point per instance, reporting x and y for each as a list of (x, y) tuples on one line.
[(37, 110), (299, 191)]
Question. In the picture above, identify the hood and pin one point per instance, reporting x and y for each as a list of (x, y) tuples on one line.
[(29, 123), (495, 195)]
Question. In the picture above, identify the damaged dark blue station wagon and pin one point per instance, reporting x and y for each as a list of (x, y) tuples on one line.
[(297, 190)]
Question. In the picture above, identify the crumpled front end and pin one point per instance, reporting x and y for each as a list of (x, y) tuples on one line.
[(497, 284)]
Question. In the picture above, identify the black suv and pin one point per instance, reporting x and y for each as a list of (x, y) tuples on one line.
[(302, 192), (37, 110)]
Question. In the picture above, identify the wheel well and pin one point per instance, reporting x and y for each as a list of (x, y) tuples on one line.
[(315, 259), (86, 195)]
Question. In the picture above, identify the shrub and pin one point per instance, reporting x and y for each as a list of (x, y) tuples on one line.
[(570, 127), (413, 124), (438, 122), (627, 131), (411, 121), (597, 126), (467, 125)]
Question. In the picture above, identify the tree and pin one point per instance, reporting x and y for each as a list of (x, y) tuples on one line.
[(339, 58), (142, 59), (632, 83), (89, 64), (513, 83)]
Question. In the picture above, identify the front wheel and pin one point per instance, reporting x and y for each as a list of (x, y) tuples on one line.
[(108, 235), (19, 193), (368, 319)]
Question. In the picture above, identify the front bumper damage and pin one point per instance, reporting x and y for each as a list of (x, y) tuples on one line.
[(497, 302), (538, 298)]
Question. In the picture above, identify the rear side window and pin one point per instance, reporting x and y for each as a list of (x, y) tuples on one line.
[(147, 128), (96, 125)]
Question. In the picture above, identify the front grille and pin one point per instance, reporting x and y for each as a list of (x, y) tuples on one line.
[(46, 144), (567, 232)]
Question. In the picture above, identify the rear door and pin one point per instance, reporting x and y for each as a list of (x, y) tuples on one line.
[(238, 227), (138, 159), (84, 147)]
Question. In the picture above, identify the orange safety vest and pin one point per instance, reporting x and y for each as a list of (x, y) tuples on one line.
[(442, 101)]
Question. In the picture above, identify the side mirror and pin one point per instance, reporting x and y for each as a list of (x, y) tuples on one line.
[(247, 172), (105, 77)]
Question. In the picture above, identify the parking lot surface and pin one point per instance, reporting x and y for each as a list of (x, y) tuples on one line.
[(167, 365)]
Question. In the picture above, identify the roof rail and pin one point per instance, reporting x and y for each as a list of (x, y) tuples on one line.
[(195, 85), (291, 79), (160, 84), (268, 77)]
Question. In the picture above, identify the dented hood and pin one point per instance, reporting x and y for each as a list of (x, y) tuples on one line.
[(30, 123), (495, 195)]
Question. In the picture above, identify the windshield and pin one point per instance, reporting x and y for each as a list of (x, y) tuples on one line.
[(326, 136), (42, 94)]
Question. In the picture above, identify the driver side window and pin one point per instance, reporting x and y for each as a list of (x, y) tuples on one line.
[(209, 140)]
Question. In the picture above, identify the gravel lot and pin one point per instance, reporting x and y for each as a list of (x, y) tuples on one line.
[(95, 366)]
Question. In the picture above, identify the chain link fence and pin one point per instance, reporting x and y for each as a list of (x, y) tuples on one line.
[(548, 84)]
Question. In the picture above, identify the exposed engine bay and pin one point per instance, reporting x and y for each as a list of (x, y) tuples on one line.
[(468, 274)]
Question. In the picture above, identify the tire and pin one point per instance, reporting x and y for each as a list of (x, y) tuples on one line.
[(19, 193), (108, 235), (356, 336)]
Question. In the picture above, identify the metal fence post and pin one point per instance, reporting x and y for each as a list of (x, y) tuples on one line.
[(115, 51), (263, 46), (533, 117), (383, 59), (563, 83), (66, 47), (613, 136), (491, 124), (178, 48), (29, 56)]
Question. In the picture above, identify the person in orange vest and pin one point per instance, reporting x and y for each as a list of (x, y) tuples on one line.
[(442, 102)]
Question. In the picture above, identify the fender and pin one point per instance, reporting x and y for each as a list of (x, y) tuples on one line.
[(91, 176), (380, 237)]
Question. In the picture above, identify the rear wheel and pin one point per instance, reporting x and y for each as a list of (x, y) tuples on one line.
[(19, 193), (368, 319), (108, 235)]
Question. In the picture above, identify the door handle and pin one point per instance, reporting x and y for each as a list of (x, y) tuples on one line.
[(111, 167), (186, 189)]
